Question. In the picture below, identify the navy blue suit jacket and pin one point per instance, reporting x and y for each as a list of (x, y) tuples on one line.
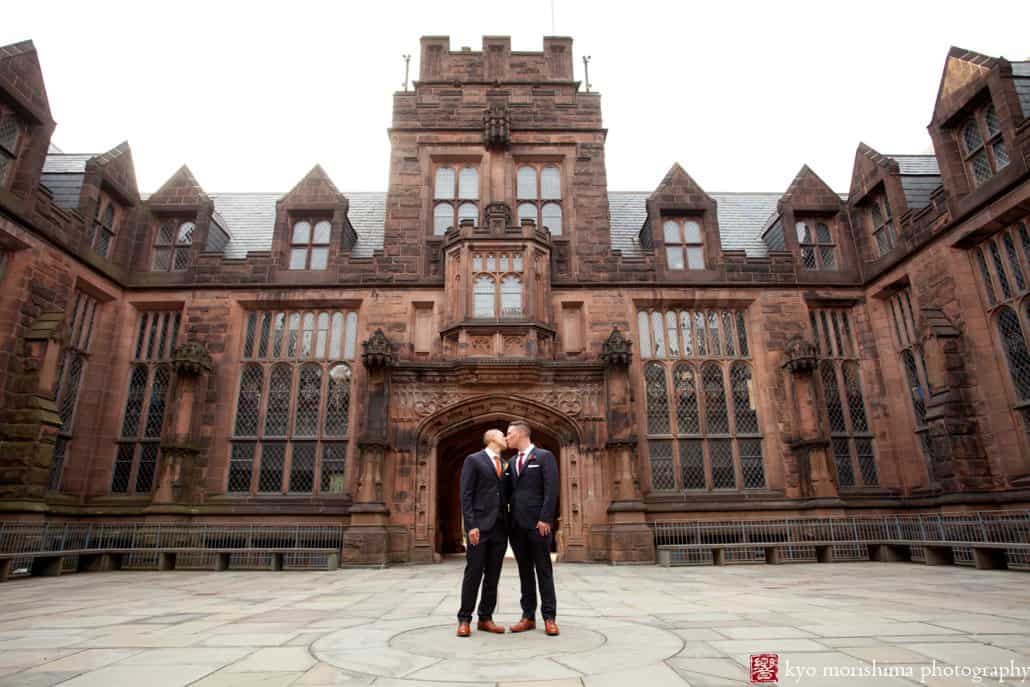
[(534, 493), (483, 494)]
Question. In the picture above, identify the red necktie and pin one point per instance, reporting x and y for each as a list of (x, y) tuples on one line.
[(522, 457)]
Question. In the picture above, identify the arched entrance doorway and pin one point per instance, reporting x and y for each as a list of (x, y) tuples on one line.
[(449, 435), (451, 451)]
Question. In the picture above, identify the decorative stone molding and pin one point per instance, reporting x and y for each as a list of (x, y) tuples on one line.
[(498, 217), (191, 359), (801, 356), (420, 403), (497, 126), (616, 350), (377, 352)]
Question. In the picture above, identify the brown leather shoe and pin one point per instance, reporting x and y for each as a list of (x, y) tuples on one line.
[(524, 625), (551, 628), (490, 626), (463, 629)]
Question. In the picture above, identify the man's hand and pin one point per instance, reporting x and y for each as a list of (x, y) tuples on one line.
[(543, 528), (474, 537)]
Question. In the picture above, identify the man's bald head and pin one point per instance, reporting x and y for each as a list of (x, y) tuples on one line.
[(493, 436)]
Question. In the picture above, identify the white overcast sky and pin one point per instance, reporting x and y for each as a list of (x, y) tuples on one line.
[(252, 95)]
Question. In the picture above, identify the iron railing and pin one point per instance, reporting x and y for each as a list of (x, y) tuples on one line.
[(16, 537), (970, 529)]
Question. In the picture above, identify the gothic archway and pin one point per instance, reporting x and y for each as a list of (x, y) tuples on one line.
[(452, 430)]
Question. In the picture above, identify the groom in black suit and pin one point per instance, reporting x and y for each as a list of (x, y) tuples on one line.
[(534, 501), (484, 507)]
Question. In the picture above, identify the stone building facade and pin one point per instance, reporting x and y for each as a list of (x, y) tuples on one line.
[(319, 356)]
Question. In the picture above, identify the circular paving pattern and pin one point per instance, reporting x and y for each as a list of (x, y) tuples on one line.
[(427, 649)]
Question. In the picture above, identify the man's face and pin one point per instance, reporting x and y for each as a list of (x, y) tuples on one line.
[(513, 437)]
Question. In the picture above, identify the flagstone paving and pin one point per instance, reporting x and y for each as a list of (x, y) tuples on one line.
[(835, 624)]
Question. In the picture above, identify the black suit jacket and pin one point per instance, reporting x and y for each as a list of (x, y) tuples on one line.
[(534, 493), (483, 494)]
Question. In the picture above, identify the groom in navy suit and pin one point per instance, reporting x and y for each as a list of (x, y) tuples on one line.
[(534, 502), (484, 507)]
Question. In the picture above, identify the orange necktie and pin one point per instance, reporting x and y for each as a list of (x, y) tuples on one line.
[(497, 465)]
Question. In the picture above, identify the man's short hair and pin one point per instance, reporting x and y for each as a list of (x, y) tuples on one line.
[(521, 426)]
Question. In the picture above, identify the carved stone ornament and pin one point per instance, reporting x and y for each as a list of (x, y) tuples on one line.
[(191, 359), (377, 351), (616, 350), (497, 126), (801, 356)]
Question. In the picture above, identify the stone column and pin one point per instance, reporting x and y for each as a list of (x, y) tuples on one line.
[(958, 461), (817, 474), (630, 539), (367, 540), (31, 421), (180, 482)]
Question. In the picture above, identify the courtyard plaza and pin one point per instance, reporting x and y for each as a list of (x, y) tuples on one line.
[(641, 626)]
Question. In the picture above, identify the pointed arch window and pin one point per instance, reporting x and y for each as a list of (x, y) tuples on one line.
[(539, 194), (291, 431), (146, 400), (455, 197), (497, 286), (702, 423)]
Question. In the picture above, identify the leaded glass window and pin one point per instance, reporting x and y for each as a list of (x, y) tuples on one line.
[(851, 439), (818, 249), (146, 401), (173, 242), (293, 416), (10, 134), (539, 195), (101, 232), (882, 222), (497, 285), (309, 244), (455, 197), (983, 147), (702, 410), (72, 370)]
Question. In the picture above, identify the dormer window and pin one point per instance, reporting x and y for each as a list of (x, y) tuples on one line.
[(455, 192), (818, 251), (101, 232), (882, 223), (309, 245), (538, 191), (684, 247), (982, 147), (10, 134), (172, 246)]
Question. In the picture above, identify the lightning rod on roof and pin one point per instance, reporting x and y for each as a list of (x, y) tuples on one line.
[(407, 64), (586, 71)]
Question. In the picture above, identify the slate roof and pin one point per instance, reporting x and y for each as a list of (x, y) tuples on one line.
[(64, 163), (1021, 80), (920, 175)]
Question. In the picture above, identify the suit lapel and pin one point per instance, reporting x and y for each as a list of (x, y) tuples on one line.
[(490, 464)]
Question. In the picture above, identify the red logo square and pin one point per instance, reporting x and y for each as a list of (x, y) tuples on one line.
[(764, 668)]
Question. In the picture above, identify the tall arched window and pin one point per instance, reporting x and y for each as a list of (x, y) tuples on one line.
[(301, 445), (455, 196), (712, 444), (150, 380), (484, 297), (511, 296)]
